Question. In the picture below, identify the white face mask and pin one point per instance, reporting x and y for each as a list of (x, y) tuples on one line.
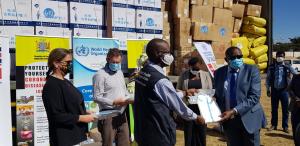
[(167, 59), (194, 72), (280, 59)]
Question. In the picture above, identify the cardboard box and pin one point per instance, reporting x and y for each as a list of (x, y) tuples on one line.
[(9, 10), (53, 31), (183, 52), (228, 4), (245, 1), (129, 2), (180, 8), (237, 25), (123, 17), (148, 3), (235, 35), (222, 17), (200, 13), (223, 33), (164, 6), (50, 11), (166, 29), (159, 36), (219, 49), (151, 20), (203, 31), (183, 41), (122, 37), (218, 3), (182, 28), (208, 2), (196, 2), (238, 10), (82, 32), (12, 31), (85, 13), (253, 10)]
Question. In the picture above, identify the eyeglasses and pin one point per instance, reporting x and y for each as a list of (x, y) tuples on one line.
[(236, 57)]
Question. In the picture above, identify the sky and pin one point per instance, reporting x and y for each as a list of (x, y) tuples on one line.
[(286, 20)]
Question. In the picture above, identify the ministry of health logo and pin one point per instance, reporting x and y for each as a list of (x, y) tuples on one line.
[(82, 51), (42, 46)]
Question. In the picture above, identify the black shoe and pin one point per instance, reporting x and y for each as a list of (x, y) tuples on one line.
[(286, 130), (272, 128)]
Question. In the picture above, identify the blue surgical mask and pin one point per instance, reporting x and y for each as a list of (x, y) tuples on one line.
[(236, 63), (114, 66)]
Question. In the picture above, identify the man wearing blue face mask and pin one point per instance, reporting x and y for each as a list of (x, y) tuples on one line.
[(238, 90), (156, 99), (110, 93)]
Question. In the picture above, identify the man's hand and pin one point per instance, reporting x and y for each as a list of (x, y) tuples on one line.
[(90, 112), (86, 118), (268, 92), (130, 100), (120, 101), (200, 120), (191, 92), (227, 115)]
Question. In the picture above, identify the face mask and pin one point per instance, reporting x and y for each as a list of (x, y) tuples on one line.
[(167, 59), (67, 69), (280, 59), (114, 66), (194, 72), (236, 63)]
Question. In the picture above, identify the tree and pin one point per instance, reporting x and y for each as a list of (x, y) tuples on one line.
[(295, 40)]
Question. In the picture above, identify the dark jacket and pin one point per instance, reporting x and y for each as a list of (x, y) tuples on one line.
[(63, 104), (248, 93), (154, 125)]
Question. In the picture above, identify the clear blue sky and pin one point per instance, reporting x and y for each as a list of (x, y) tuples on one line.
[(286, 20)]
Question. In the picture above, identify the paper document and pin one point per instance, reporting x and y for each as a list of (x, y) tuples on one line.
[(109, 113), (208, 107)]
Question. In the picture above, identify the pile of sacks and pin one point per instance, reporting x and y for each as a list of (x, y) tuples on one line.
[(252, 42)]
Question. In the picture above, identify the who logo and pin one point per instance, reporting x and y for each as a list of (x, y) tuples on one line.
[(82, 51)]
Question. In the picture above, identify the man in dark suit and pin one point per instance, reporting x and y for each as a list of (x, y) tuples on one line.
[(238, 89)]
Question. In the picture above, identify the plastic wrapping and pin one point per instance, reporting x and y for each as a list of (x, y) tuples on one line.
[(262, 58), (259, 41), (254, 30), (262, 66), (258, 51), (248, 61), (251, 20), (243, 44)]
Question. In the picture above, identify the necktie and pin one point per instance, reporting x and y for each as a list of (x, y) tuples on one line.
[(233, 102)]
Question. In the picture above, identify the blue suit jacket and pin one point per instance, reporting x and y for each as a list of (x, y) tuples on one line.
[(248, 94)]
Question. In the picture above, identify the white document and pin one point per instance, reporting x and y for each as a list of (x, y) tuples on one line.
[(208, 107), (109, 113)]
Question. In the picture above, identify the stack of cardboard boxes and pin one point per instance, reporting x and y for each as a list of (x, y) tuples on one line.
[(212, 21), (200, 20)]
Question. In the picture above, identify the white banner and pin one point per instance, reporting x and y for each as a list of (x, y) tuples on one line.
[(207, 54), (5, 112)]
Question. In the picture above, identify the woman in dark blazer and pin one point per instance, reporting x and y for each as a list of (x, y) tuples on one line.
[(67, 116)]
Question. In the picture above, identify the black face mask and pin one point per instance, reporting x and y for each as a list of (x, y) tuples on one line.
[(67, 69), (195, 69)]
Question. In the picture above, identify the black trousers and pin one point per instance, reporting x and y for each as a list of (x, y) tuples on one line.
[(295, 122), (194, 134)]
